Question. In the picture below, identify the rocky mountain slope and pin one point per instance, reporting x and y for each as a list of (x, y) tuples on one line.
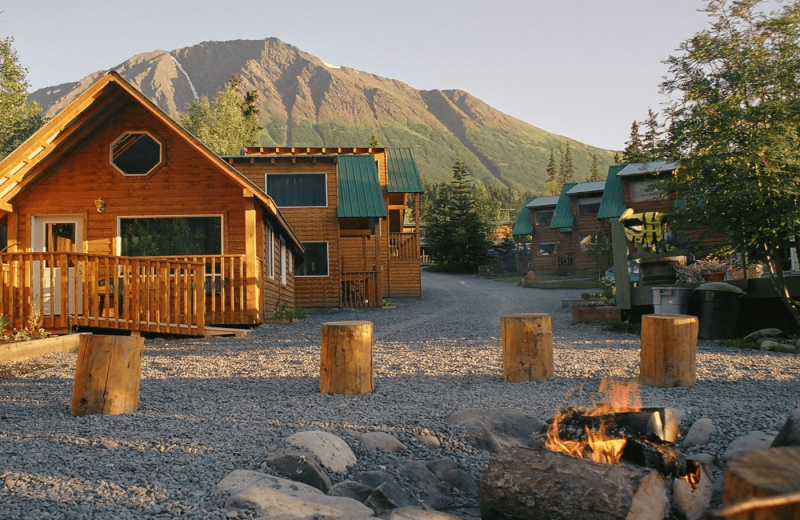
[(306, 102)]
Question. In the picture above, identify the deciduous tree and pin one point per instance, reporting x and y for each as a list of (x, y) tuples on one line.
[(18, 118)]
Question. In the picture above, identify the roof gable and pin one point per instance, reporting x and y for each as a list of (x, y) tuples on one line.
[(613, 203), (562, 216), (523, 225), (402, 171), (587, 187), (359, 187), (539, 202)]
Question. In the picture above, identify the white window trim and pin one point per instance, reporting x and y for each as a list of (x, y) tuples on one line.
[(283, 261), (151, 170), (221, 230), (271, 252), (327, 259), (298, 173)]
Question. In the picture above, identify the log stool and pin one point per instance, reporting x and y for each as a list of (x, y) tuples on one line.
[(527, 347), (107, 375), (669, 347), (771, 475), (345, 365)]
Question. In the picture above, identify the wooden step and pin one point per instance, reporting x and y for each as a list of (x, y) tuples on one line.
[(223, 331)]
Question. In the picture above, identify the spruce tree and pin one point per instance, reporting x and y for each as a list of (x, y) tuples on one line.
[(567, 167), (633, 152), (373, 142), (594, 171), (551, 186), (651, 140)]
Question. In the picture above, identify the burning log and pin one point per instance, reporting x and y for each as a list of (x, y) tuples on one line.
[(522, 483), (649, 422), (774, 472)]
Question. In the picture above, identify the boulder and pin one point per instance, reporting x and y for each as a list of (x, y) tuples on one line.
[(691, 504), (300, 467), (351, 489), (790, 433), (678, 414), (451, 474), (382, 442), (764, 333), (750, 442), (417, 513), (331, 451), (241, 479), (429, 440), (286, 504), (499, 428), (373, 479), (699, 433), (389, 496), (427, 486)]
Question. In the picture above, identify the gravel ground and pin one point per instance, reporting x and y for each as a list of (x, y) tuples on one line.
[(209, 406)]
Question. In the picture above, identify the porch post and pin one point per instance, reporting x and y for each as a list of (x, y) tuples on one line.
[(252, 275)]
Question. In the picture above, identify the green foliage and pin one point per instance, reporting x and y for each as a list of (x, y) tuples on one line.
[(276, 130), (458, 230), (284, 312), (373, 142), (226, 125), (18, 118), (735, 125), (633, 152), (566, 170), (594, 172), (304, 134), (623, 327)]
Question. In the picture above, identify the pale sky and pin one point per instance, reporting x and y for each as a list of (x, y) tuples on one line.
[(584, 69)]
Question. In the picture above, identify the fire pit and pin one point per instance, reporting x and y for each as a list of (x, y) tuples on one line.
[(615, 460)]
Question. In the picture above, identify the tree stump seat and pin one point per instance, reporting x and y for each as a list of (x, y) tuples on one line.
[(346, 358), (527, 347), (669, 349)]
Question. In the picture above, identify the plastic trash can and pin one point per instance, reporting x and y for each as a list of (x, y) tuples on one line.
[(671, 300), (718, 306)]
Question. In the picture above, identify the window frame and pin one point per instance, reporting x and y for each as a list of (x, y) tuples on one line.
[(548, 242), (212, 215), (536, 214), (325, 185), (589, 202), (158, 165), (639, 189), (327, 260)]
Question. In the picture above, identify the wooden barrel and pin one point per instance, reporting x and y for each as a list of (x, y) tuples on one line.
[(107, 375), (345, 365), (771, 477), (527, 347), (669, 348)]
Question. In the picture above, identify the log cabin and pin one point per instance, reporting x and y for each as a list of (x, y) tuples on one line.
[(352, 210), (116, 217), (522, 234)]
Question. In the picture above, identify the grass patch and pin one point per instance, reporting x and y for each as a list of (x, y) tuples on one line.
[(752, 345), (622, 327)]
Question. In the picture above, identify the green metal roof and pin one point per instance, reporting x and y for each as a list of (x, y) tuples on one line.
[(648, 167), (562, 216), (359, 187), (403, 173), (539, 202), (523, 225), (613, 203), (587, 187)]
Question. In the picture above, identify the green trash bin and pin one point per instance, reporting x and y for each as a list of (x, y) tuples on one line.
[(717, 305)]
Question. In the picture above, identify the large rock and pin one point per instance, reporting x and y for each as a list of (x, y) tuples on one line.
[(269, 502), (448, 472), (417, 513), (241, 479), (750, 442), (790, 433), (300, 467), (499, 428), (430, 489), (700, 432), (389, 496), (373, 479), (351, 489), (331, 451), (764, 333), (688, 503), (382, 442)]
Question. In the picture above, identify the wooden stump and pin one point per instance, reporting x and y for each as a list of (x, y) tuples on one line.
[(527, 347), (755, 475), (346, 358), (669, 347), (107, 375)]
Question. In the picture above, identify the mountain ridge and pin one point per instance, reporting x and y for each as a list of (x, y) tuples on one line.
[(304, 101)]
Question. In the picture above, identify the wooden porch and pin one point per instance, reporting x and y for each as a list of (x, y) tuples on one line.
[(58, 291)]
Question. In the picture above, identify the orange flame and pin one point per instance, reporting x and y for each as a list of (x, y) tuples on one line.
[(693, 478)]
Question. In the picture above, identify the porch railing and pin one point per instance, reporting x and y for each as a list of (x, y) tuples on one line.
[(565, 261), (56, 291), (225, 289), (360, 289), (404, 245)]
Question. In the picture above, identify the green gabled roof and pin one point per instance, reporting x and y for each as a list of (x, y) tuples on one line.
[(613, 203), (523, 225), (359, 187), (402, 171), (562, 217)]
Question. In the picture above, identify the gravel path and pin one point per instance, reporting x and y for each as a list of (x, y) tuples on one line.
[(209, 406)]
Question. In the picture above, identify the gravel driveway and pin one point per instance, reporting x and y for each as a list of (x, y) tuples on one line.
[(209, 406)]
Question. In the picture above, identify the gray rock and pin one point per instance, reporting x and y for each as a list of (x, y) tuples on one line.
[(351, 489), (706, 458), (269, 502), (242, 479), (300, 468), (751, 441), (679, 415), (688, 503), (700, 432), (331, 451), (417, 513), (373, 479), (498, 428), (429, 440), (389, 496), (426, 485), (769, 344), (764, 333), (790, 433), (448, 472), (382, 442)]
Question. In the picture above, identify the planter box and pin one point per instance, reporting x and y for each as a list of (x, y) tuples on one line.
[(584, 314), (22, 350)]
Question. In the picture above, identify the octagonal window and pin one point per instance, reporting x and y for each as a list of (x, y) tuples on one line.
[(136, 153)]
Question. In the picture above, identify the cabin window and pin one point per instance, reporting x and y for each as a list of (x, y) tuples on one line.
[(588, 242), (316, 260), (589, 205), (136, 153), (643, 189), (543, 218), (270, 252), (298, 190), (170, 236), (546, 248)]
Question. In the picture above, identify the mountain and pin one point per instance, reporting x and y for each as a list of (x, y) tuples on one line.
[(306, 102)]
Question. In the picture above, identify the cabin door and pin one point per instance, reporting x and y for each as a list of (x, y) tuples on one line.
[(56, 235)]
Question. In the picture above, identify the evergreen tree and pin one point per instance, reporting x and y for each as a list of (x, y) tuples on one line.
[(551, 186), (567, 167), (651, 140), (226, 125), (373, 142), (617, 158), (633, 152), (594, 171), (458, 225), (18, 118)]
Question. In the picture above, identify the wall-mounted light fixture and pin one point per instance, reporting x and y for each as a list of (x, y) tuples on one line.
[(101, 205)]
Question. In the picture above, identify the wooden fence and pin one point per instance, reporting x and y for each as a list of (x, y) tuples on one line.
[(360, 289), (404, 245)]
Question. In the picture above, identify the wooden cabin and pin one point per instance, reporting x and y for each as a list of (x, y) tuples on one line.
[(352, 210), (587, 231), (116, 217), (546, 242), (522, 234)]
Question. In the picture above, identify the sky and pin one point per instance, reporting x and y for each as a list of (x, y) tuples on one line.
[(584, 69)]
